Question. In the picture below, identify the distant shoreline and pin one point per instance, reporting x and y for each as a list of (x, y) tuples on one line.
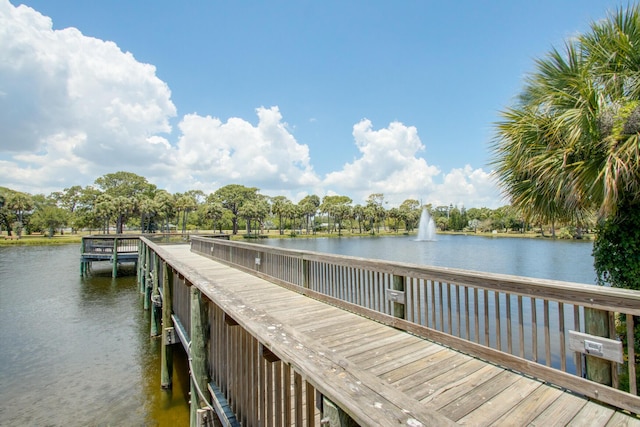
[(68, 238)]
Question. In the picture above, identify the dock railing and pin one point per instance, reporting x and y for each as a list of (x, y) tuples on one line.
[(115, 248), (534, 326)]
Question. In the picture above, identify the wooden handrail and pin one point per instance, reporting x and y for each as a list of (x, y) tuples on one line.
[(520, 323)]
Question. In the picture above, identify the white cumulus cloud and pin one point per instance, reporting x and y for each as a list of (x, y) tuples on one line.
[(389, 164), (72, 106), (467, 187), (266, 156)]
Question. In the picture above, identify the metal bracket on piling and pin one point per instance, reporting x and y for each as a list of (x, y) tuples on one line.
[(170, 336), (156, 300), (205, 417)]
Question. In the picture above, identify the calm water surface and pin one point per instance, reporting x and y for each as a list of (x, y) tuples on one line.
[(542, 258), (77, 351)]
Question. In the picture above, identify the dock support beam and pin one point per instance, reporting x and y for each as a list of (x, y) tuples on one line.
[(155, 298), (166, 352), (334, 416), (114, 259), (148, 279), (198, 353)]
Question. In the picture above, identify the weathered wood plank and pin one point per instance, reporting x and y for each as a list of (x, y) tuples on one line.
[(527, 410), (427, 367), (397, 357), (593, 415), (623, 420), (478, 395), (443, 391), (496, 406), (560, 412)]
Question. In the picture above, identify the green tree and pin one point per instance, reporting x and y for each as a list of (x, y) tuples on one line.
[(165, 202), (232, 197), (359, 213), (309, 208), (19, 205), (570, 145), (184, 203), (336, 207), (279, 207), (48, 217), (255, 209), (214, 211), (410, 212), (125, 188), (69, 199), (375, 211), (148, 210)]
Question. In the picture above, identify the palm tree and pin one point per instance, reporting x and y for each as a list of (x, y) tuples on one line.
[(279, 207), (570, 145)]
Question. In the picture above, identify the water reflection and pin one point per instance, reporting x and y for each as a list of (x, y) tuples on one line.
[(77, 351), (543, 258)]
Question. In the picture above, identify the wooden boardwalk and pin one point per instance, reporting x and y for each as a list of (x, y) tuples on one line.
[(363, 358)]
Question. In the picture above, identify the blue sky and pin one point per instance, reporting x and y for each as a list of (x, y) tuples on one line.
[(293, 97)]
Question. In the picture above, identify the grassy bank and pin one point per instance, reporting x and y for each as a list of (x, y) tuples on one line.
[(39, 239), (58, 239)]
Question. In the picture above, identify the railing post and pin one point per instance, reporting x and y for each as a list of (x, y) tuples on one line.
[(198, 353), (596, 322), (305, 273), (166, 351), (399, 307)]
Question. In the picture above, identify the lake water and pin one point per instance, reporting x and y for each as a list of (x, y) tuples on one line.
[(542, 258), (77, 351)]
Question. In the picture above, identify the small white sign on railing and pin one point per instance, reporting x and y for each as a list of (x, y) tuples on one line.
[(395, 296), (593, 345)]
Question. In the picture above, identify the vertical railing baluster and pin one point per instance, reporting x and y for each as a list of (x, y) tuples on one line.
[(521, 325), (498, 331), (547, 335), (476, 316), (509, 323), (562, 339), (534, 331), (631, 354)]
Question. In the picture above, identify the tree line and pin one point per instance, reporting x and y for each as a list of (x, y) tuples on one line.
[(124, 200)]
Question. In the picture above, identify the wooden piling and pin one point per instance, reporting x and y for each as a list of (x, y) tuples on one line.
[(83, 264), (155, 298), (140, 262), (596, 322), (144, 268), (166, 352), (148, 281), (334, 416), (198, 353), (114, 258)]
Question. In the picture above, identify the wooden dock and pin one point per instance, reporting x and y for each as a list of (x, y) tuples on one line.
[(374, 374), (115, 249)]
